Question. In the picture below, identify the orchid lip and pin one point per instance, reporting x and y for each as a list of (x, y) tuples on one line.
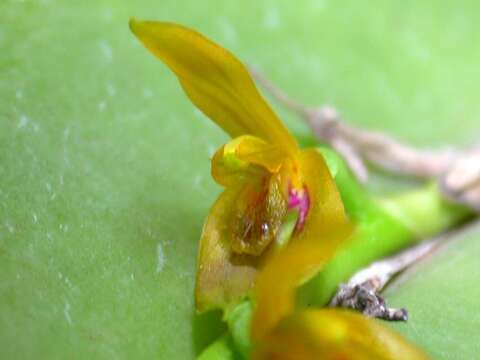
[(299, 200)]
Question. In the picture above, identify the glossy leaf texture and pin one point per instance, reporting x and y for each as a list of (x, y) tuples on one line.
[(446, 327), (92, 132)]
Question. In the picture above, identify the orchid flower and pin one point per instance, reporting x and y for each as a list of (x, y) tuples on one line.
[(264, 173)]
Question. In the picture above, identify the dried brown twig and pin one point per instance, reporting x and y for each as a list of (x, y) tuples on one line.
[(362, 290), (457, 171), (361, 293)]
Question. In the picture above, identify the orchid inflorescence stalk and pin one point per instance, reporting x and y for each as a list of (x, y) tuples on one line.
[(266, 176)]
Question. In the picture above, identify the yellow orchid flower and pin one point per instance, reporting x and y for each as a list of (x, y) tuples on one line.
[(264, 172), (280, 332)]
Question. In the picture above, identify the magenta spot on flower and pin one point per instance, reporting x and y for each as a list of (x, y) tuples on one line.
[(298, 199)]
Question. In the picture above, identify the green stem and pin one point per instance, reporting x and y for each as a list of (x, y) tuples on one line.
[(222, 349), (383, 226), (395, 223), (238, 320)]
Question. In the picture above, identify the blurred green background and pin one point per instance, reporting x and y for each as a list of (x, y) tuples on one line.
[(104, 164)]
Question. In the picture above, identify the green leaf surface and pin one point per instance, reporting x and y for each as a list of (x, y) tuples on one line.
[(441, 294), (104, 164)]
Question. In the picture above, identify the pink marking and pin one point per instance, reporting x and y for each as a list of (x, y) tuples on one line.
[(299, 200)]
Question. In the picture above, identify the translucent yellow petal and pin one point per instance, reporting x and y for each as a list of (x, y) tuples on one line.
[(215, 81), (254, 150), (222, 276), (245, 159), (235, 241), (326, 227), (229, 170), (333, 334)]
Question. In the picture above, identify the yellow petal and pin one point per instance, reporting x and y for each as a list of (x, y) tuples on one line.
[(278, 281), (334, 334), (326, 227), (229, 170), (215, 81), (222, 276), (254, 150), (326, 214), (244, 159)]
